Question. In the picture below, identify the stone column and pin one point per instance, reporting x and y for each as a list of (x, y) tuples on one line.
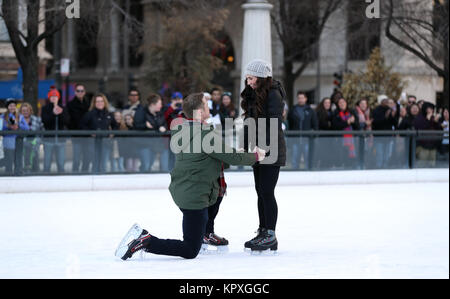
[(115, 41), (257, 37)]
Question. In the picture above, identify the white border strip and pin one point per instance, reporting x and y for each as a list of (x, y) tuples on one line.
[(234, 179)]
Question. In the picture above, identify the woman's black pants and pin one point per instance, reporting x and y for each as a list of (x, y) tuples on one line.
[(266, 178)]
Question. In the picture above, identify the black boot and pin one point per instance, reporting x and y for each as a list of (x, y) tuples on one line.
[(214, 240), (266, 242), (260, 233)]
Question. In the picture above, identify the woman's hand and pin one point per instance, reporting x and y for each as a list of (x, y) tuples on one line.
[(261, 154), (57, 110), (14, 127)]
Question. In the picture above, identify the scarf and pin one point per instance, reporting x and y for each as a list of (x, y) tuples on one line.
[(348, 139)]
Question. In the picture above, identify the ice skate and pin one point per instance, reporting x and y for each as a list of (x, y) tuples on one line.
[(133, 241), (249, 244), (266, 244), (213, 244)]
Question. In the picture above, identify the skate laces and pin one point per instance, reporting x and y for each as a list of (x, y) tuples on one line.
[(138, 243), (267, 237)]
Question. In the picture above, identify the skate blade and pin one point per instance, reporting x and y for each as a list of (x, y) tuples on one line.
[(133, 233), (212, 250), (267, 252)]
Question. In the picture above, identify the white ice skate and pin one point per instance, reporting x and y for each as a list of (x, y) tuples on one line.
[(133, 233)]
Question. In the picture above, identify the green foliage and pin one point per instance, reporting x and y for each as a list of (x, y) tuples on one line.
[(378, 79)]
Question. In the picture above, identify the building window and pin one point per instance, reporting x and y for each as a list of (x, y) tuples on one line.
[(363, 34)]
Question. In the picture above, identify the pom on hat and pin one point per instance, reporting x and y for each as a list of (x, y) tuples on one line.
[(259, 68), (53, 93)]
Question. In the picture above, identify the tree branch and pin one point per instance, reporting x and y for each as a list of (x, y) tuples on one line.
[(404, 45)]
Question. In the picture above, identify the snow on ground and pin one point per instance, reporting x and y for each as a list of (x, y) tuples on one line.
[(330, 231)]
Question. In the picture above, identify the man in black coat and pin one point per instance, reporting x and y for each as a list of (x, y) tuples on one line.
[(77, 108), (152, 119), (384, 119), (301, 118)]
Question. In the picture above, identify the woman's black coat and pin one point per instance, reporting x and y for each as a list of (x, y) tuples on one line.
[(273, 108)]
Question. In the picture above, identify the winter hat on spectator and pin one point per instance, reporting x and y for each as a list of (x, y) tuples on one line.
[(53, 93), (10, 101), (381, 98), (259, 68), (177, 95)]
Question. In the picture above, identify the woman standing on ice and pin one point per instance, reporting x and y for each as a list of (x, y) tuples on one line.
[(263, 98)]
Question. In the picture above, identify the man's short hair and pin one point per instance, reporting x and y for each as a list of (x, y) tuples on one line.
[(302, 92), (192, 102), (133, 89), (153, 98), (215, 89)]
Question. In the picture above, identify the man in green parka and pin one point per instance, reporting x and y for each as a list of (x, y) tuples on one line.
[(200, 155)]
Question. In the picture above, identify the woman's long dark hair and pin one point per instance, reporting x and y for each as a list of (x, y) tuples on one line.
[(255, 98), (321, 107)]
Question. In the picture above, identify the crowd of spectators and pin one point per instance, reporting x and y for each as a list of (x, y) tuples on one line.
[(96, 153), (335, 114)]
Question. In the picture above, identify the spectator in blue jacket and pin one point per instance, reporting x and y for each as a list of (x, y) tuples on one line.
[(301, 118), (13, 121)]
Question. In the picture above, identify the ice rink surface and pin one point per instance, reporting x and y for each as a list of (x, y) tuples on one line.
[(330, 231)]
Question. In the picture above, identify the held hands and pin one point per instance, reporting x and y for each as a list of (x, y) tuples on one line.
[(261, 153)]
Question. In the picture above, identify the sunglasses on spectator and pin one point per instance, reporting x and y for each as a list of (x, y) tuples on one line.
[(79, 90)]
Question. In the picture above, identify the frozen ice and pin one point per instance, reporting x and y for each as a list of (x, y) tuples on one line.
[(324, 231)]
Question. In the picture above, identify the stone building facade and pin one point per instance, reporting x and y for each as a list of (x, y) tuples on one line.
[(101, 65)]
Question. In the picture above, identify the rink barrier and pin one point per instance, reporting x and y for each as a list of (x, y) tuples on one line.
[(234, 180)]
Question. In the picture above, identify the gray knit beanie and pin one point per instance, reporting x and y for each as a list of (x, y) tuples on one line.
[(258, 68)]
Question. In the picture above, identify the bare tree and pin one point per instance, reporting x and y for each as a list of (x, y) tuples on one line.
[(182, 58), (299, 24), (26, 37), (421, 27)]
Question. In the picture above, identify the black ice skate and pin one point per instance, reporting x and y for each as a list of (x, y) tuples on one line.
[(268, 242), (260, 234), (214, 240), (139, 239), (213, 244)]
